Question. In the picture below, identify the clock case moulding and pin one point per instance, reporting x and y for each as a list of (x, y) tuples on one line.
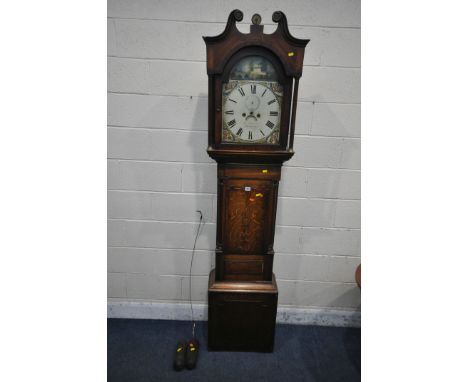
[(242, 290)]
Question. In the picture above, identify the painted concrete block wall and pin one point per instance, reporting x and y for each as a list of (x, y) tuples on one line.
[(159, 173)]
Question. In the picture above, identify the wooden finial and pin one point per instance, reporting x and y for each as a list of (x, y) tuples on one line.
[(256, 19)]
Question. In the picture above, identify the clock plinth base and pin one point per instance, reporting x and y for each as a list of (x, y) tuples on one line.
[(241, 315)]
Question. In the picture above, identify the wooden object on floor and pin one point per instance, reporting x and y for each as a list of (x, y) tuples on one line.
[(242, 315), (358, 276), (253, 81)]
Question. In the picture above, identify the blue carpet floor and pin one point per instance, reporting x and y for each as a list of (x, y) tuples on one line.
[(142, 350)]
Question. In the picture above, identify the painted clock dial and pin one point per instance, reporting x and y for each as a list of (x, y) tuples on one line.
[(252, 100)]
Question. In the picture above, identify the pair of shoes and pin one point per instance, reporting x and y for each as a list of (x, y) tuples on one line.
[(186, 355)]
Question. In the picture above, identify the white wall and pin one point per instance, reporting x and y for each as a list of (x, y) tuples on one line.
[(159, 173)]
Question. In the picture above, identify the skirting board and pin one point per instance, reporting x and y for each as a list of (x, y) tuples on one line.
[(179, 311)]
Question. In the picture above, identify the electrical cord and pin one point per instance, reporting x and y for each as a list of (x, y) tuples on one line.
[(191, 264)]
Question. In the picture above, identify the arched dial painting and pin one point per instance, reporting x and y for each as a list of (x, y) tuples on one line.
[(252, 100)]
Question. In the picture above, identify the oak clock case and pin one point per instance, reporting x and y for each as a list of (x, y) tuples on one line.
[(252, 97)]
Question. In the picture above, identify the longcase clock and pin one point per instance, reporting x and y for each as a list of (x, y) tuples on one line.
[(252, 98)]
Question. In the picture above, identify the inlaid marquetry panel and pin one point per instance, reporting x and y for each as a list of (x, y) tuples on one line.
[(246, 220)]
